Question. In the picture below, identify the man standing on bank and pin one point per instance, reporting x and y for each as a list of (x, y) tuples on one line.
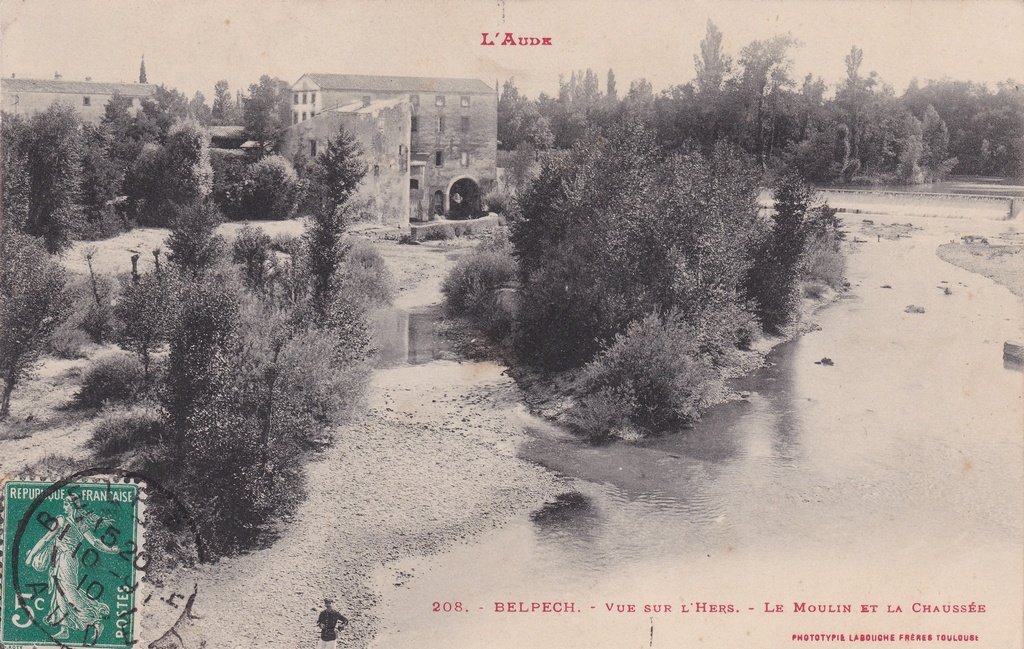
[(328, 623)]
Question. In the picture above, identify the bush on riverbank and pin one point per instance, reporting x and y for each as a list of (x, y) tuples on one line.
[(651, 377), (471, 288)]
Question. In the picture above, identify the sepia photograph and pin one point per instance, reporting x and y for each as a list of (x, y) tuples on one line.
[(511, 324)]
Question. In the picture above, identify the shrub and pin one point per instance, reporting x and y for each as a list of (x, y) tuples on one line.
[(251, 249), (270, 189), (497, 201), (193, 245), (470, 289), (33, 303), (105, 224), (228, 175), (116, 378), (67, 341), (824, 261), (128, 429), (289, 244), (653, 374), (364, 276), (437, 232)]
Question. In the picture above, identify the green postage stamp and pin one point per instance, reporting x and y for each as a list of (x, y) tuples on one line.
[(72, 563)]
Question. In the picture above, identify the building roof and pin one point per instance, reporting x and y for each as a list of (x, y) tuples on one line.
[(398, 84), (371, 108), (226, 131), (77, 87)]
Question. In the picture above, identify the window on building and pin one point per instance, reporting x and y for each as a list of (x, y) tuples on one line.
[(414, 100), (464, 158), (465, 124), (366, 100), (438, 159), (312, 113), (401, 150), (303, 97), (464, 101), (312, 97), (303, 116), (439, 100), (312, 148), (414, 183), (87, 101), (415, 126), (296, 99), (295, 118), (440, 123), (376, 171)]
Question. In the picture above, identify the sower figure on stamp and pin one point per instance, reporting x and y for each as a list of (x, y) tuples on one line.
[(328, 623)]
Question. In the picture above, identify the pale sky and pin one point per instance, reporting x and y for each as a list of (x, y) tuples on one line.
[(190, 44)]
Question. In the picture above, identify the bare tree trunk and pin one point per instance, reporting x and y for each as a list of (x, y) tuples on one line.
[(5, 402)]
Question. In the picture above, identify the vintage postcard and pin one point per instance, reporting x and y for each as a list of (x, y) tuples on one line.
[(512, 324)]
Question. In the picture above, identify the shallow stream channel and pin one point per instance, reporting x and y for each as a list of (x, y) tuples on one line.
[(892, 477)]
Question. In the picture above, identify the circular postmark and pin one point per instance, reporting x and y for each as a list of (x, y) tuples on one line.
[(77, 572)]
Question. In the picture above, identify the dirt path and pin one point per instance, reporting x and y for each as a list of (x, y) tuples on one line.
[(430, 463)]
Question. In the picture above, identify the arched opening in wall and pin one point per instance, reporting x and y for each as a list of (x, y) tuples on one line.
[(464, 199), (437, 204)]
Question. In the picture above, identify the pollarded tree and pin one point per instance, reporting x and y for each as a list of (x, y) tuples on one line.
[(32, 304)]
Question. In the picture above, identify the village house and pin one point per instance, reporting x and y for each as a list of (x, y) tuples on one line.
[(430, 143), (30, 96)]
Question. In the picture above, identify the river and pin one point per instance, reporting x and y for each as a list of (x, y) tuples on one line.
[(895, 476)]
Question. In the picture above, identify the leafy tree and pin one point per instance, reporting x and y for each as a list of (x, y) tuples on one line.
[(766, 65), (221, 102), (911, 149), (773, 278), (270, 189), (251, 249), (267, 110), (335, 174), (102, 176), (14, 178), (32, 304), (53, 156), (712, 65), (199, 111), (201, 337), (193, 245), (165, 108), (142, 309), (610, 89), (935, 145)]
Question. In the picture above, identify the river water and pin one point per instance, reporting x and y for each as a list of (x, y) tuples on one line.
[(893, 477)]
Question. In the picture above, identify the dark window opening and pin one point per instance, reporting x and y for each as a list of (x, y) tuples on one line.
[(465, 124), (303, 117), (414, 183), (438, 159), (296, 98), (415, 126), (295, 118), (440, 124), (303, 97), (401, 150), (86, 101), (312, 98)]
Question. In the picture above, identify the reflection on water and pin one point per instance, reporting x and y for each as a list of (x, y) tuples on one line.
[(905, 454), (408, 337)]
